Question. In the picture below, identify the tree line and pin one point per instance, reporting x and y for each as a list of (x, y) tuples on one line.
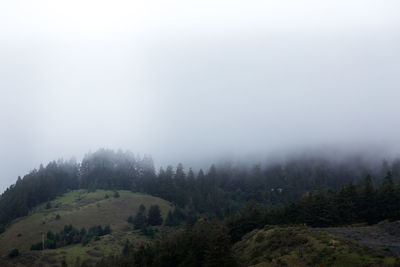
[(208, 242), (221, 191), (71, 235), (363, 203)]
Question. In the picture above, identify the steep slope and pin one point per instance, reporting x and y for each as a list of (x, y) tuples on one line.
[(384, 234), (81, 209), (302, 246)]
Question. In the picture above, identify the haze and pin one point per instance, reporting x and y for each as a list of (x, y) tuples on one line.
[(190, 81)]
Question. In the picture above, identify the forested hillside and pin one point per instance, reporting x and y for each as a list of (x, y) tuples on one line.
[(211, 210), (222, 190)]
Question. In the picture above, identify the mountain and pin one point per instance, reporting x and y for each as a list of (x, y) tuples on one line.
[(114, 209)]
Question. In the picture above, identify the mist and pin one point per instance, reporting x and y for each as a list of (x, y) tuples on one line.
[(196, 82)]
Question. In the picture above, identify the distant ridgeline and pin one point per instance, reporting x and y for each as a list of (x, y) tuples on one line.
[(221, 191)]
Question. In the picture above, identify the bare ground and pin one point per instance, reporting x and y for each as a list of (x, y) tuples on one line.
[(385, 235)]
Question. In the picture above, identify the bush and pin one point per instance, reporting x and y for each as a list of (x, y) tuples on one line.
[(260, 237), (2, 229), (14, 253), (37, 246), (127, 247), (116, 194), (148, 231)]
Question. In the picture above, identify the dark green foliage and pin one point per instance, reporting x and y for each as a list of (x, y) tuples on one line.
[(388, 199), (346, 202), (260, 237), (127, 247), (175, 218), (367, 204), (148, 231), (39, 186), (301, 191), (169, 221), (140, 220), (116, 194), (250, 218), (83, 231), (154, 216), (2, 229), (348, 205), (206, 244), (70, 235), (106, 169), (318, 210), (37, 246), (58, 216), (13, 253), (50, 235), (222, 191)]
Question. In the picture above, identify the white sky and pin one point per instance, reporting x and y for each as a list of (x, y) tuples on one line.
[(193, 80)]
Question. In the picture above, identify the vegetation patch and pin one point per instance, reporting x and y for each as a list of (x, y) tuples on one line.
[(301, 246)]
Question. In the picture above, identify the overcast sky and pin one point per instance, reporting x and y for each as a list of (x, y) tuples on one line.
[(194, 80)]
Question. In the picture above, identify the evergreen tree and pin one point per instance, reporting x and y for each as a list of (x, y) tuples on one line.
[(367, 204), (154, 216), (387, 200), (14, 253), (180, 176), (218, 249), (346, 204), (140, 220), (323, 209), (170, 220)]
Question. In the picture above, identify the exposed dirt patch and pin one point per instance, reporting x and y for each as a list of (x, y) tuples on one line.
[(386, 235)]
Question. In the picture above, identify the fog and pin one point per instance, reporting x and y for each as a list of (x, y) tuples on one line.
[(196, 81)]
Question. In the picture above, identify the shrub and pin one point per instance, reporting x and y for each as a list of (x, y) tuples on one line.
[(148, 231), (37, 246), (14, 253), (260, 237)]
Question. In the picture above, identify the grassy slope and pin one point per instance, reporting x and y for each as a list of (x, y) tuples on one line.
[(81, 209), (301, 246)]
